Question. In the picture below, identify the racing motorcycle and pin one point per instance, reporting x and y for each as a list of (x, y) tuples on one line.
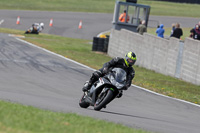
[(104, 90), (35, 28), (31, 30)]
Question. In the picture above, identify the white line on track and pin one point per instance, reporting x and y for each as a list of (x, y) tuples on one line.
[(1, 21), (94, 70), (54, 53)]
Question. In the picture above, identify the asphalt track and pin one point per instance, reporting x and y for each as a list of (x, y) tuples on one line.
[(36, 77), (66, 23)]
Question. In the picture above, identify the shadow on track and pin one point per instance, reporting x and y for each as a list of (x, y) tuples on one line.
[(134, 116)]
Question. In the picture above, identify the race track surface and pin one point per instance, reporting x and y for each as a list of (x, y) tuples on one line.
[(66, 23), (32, 76)]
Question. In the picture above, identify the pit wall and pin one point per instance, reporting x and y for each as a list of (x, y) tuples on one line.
[(169, 57)]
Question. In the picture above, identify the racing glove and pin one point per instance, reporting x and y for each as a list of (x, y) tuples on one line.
[(105, 70)]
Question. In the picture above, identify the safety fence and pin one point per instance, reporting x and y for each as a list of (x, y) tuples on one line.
[(169, 57)]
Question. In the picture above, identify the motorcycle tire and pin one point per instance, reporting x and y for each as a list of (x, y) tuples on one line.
[(105, 100), (83, 103), (26, 32)]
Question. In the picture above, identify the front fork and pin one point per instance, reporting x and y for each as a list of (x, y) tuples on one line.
[(104, 90), (94, 96)]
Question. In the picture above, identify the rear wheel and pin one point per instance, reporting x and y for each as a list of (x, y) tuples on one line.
[(83, 103), (103, 99)]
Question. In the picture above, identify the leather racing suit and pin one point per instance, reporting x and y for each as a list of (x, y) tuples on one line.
[(116, 62)]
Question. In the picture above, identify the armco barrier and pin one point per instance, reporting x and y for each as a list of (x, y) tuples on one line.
[(169, 57)]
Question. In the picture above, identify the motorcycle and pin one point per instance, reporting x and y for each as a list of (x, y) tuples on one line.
[(31, 30), (104, 90), (36, 28)]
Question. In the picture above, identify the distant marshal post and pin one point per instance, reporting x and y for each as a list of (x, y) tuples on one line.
[(128, 15)]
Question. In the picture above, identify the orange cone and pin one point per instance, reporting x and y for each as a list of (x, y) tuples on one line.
[(51, 23), (80, 25), (18, 20)]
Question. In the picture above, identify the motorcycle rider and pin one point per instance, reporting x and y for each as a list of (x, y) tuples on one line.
[(124, 63), (36, 28)]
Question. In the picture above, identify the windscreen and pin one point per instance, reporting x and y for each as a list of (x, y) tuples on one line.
[(119, 75)]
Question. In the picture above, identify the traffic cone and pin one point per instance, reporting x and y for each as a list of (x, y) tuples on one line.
[(18, 20), (51, 23), (80, 24)]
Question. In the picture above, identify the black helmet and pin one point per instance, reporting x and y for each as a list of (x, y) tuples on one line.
[(130, 59)]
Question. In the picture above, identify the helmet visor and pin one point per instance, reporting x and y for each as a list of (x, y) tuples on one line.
[(130, 61)]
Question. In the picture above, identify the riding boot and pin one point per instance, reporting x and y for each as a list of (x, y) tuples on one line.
[(88, 84), (95, 76)]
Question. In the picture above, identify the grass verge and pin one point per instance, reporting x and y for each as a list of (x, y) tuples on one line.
[(104, 6), (186, 32), (15, 118), (79, 50)]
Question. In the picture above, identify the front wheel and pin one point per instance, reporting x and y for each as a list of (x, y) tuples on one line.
[(103, 100), (83, 103)]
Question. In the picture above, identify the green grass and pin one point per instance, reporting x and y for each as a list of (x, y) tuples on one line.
[(163, 8), (80, 50), (104, 6), (25, 119), (15, 118), (167, 85), (186, 32), (60, 5)]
